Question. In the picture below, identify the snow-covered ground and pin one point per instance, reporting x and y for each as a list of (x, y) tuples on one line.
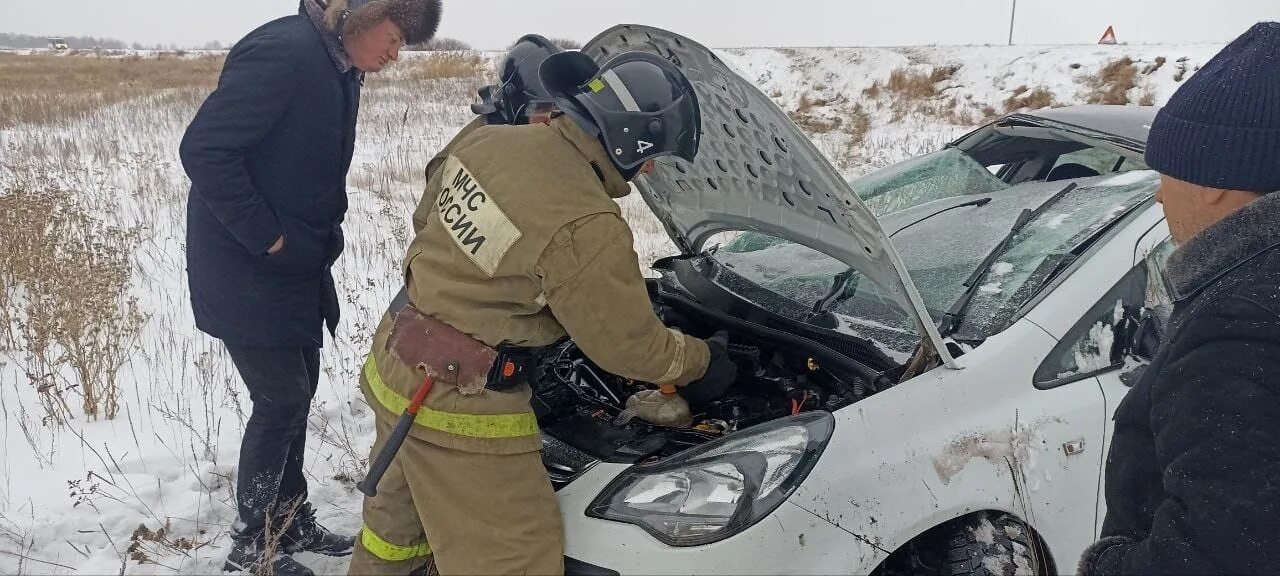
[(92, 497)]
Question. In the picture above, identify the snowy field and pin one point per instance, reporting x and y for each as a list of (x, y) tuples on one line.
[(94, 309)]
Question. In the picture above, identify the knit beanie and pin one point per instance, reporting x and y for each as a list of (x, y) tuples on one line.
[(1222, 128)]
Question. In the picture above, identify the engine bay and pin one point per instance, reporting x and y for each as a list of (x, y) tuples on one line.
[(578, 403)]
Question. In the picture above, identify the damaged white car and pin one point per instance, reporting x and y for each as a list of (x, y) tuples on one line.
[(929, 356)]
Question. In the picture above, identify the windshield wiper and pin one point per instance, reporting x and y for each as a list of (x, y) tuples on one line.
[(952, 319), (821, 315), (978, 202)]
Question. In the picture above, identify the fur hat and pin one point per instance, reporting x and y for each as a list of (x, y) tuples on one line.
[(417, 19)]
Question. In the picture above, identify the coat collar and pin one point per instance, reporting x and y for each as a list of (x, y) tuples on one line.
[(314, 11), (594, 152), (1224, 246)]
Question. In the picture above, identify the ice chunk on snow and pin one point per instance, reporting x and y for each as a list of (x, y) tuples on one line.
[(992, 288), (1001, 268)]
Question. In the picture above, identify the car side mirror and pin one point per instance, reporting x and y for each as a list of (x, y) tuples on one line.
[(1150, 333), (1138, 336)]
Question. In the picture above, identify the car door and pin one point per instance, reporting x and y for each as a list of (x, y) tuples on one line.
[(1150, 257), (1107, 347)]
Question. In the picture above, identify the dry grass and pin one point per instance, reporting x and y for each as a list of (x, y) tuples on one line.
[(1112, 84), (817, 116), (429, 67), (1181, 73), (1154, 67), (1024, 98), (872, 92), (916, 84), (917, 93), (857, 124), (808, 115), (65, 280), (441, 44), (50, 89)]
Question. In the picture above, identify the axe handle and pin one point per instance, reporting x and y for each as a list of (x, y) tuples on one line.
[(369, 486)]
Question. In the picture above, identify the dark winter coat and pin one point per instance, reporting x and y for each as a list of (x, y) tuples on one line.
[(1193, 476), (267, 155)]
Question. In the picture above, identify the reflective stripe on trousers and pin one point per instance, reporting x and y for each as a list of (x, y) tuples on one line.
[(388, 551), (471, 425)]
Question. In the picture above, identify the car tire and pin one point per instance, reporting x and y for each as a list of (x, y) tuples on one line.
[(988, 544), (980, 544)]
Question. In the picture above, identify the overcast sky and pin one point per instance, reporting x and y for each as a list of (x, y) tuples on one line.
[(718, 23)]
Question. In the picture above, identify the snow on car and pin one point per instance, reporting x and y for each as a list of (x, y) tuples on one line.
[(928, 355)]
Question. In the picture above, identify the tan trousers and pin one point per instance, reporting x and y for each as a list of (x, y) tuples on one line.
[(471, 513)]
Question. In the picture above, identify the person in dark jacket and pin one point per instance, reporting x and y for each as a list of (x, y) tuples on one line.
[(1193, 476), (267, 155)]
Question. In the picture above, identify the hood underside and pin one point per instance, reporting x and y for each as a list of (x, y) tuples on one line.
[(755, 170)]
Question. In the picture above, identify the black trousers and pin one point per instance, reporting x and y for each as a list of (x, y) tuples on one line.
[(281, 383)]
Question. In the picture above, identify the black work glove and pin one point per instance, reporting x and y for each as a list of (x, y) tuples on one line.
[(720, 374)]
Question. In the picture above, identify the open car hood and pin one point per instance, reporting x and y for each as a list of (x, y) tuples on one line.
[(755, 170)]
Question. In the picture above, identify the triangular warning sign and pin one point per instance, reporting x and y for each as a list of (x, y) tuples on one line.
[(1109, 37)]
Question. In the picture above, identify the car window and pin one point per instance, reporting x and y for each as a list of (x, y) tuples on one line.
[(935, 176), (1122, 329), (1099, 161)]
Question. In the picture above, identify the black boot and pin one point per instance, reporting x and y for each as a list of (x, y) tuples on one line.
[(305, 534), (247, 556)]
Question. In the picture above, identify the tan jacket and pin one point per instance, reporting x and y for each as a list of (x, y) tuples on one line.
[(523, 245), (428, 201)]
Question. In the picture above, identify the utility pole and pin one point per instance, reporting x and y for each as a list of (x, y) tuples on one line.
[(1012, 15)]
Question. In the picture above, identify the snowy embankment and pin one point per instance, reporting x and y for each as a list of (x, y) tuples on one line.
[(150, 491)]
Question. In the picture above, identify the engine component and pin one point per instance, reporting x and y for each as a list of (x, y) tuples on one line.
[(658, 407), (595, 411)]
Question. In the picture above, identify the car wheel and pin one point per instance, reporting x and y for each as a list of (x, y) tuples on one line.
[(988, 544), (981, 544)]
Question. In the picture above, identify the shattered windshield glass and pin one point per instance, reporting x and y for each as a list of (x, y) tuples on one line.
[(943, 174), (941, 251), (1034, 252)]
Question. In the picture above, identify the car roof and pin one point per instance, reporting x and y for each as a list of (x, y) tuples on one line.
[(1131, 122)]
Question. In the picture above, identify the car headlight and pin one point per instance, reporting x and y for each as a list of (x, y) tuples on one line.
[(720, 488)]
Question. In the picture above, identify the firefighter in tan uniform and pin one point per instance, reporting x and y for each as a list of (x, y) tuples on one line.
[(522, 244), (515, 100)]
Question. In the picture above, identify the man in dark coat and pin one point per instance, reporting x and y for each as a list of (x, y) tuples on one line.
[(1193, 476), (267, 155)]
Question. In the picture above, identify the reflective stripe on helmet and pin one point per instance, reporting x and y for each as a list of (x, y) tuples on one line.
[(621, 90), (471, 425), (389, 552)]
